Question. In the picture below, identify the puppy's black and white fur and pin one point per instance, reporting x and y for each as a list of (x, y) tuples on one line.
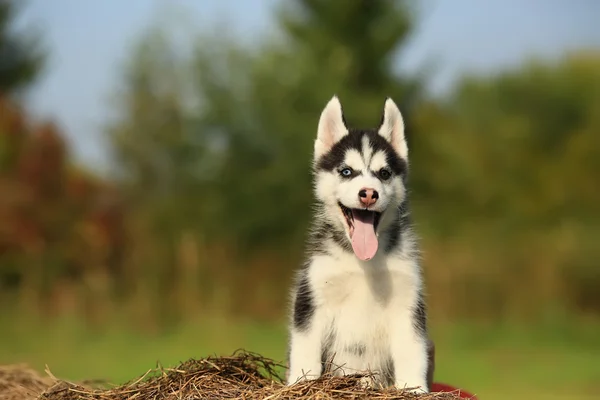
[(357, 304)]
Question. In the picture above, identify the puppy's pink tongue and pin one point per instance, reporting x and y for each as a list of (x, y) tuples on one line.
[(364, 240)]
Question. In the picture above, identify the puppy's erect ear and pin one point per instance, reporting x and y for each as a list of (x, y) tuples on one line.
[(331, 127), (392, 128)]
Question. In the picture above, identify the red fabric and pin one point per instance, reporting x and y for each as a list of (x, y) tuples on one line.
[(442, 387)]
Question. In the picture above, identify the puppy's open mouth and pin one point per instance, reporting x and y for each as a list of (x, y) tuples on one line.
[(362, 227)]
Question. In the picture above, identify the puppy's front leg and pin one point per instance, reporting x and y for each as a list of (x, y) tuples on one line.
[(410, 357), (305, 354), (306, 334)]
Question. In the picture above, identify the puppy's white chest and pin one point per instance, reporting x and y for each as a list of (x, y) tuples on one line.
[(361, 320), (359, 324), (364, 292)]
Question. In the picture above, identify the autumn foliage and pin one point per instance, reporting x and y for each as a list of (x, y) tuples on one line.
[(59, 223)]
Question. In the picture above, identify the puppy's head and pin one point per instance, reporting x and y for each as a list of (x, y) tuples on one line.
[(360, 174)]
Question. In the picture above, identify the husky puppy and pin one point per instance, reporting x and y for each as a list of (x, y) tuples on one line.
[(357, 304)]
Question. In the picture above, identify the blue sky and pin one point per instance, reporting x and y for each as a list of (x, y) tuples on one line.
[(89, 41)]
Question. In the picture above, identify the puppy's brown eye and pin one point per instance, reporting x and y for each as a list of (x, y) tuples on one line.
[(384, 174)]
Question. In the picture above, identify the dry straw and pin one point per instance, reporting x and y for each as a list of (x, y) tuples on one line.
[(244, 375), (18, 382)]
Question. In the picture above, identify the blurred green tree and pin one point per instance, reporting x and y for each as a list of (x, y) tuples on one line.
[(508, 172), (21, 57), (215, 139), (507, 144), (244, 152)]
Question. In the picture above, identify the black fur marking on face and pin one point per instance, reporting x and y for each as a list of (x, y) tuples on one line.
[(394, 236), (399, 224), (420, 317), (304, 307), (324, 231), (333, 159), (340, 238)]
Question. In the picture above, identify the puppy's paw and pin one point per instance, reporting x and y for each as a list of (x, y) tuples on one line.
[(300, 377), (366, 382), (415, 388)]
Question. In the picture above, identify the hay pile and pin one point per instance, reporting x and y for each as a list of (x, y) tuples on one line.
[(241, 376), (19, 382)]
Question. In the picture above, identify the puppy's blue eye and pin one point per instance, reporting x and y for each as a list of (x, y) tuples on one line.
[(346, 172)]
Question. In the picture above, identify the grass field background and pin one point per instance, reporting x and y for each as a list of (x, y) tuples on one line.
[(551, 361)]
